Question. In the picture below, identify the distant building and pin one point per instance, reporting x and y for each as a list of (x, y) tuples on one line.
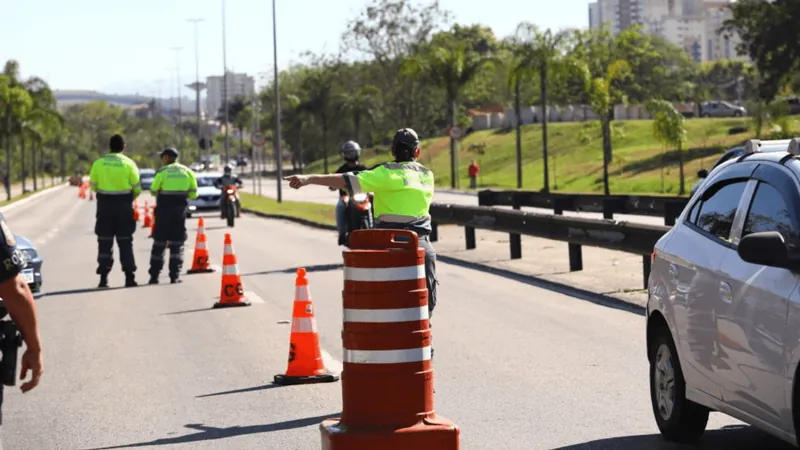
[(689, 24), (238, 84)]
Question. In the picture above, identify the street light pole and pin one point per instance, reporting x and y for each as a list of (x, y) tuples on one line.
[(180, 102), (277, 137), (225, 88), (197, 79)]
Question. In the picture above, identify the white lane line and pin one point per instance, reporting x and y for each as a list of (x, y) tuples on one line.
[(253, 297), (332, 364)]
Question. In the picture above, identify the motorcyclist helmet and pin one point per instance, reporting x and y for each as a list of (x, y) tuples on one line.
[(228, 169), (351, 151)]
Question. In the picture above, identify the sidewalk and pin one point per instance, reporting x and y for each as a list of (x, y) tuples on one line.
[(611, 273)]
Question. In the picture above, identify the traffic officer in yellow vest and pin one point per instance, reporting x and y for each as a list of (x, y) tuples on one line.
[(173, 184), (403, 194), (115, 180)]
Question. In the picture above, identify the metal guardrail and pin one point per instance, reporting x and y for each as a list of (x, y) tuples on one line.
[(609, 234), (641, 205)]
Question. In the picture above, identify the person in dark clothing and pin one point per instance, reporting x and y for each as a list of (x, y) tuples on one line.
[(115, 180), (351, 152), (228, 178)]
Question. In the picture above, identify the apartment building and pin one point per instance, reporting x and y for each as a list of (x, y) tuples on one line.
[(238, 84), (689, 24)]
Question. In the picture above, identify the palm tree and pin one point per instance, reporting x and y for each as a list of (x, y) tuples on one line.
[(535, 53), (361, 103), (318, 86), (450, 65)]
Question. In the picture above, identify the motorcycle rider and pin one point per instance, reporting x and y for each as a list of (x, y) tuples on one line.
[(351, 152), (403, 195), (228, 178)]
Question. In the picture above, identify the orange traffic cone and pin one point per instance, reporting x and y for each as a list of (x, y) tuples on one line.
[(201, 262), (148, 220), (153, 223), (231, 293), (135, 210), (305, 357)]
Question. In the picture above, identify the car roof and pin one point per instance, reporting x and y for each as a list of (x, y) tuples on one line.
[(775, 151)]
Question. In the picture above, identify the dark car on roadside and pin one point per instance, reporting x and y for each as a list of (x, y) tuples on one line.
[(32, 272), (146, 177)]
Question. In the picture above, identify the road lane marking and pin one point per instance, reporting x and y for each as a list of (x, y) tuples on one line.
[(253, 297)]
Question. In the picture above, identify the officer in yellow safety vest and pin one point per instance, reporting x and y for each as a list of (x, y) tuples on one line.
[(115, 180), (173, 184), (403, 192)]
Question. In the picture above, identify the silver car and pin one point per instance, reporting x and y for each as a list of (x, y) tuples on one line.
[(723, 311), (208, 195)]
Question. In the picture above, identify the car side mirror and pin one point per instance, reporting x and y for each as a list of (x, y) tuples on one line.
[(766, 248), (702, 173)]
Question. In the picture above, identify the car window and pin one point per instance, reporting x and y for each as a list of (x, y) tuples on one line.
[(205, 181), (768, 212), (715, 214)]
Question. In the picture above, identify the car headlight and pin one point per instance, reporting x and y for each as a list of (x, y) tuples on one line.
[(360, 197), (30, 254)]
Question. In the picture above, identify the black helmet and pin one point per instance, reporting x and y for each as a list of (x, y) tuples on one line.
[(351, 151), (404, 143), (171, 152), (228, 169)]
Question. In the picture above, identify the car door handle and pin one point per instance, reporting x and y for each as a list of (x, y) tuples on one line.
[(725, 292)]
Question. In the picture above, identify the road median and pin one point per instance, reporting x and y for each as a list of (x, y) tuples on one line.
[(608, 275)]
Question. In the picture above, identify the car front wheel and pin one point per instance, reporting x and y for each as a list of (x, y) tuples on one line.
[(678, 419)]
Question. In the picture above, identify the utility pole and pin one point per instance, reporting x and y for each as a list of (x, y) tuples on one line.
[(225, 89), (277, 137), (180, 103), (197, 86)]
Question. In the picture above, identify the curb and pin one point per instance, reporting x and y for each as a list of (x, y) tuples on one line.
[(32, 197), (572, 291)]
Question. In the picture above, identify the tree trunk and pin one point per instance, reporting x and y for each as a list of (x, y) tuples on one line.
[(324, 143), (680, 167), (543, 83), (518, 126), (453, 155), (33, 166), (357, 125), (22, 161), (7, 172), (606, 126)]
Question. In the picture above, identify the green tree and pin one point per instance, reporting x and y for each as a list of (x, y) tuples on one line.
[(669, 129)]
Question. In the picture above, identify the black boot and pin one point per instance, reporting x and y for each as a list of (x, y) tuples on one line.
[(153, 279), (103, 281), (130, 280)]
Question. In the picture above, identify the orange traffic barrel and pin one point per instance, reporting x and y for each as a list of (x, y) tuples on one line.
[(387, 376)]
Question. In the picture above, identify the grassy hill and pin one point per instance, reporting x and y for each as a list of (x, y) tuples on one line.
[(640, 163)]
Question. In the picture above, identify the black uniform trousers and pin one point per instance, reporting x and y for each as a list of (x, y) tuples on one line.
[(114, 219), (170, 227)]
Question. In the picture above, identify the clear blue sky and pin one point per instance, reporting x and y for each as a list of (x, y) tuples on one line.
[(123, 46)]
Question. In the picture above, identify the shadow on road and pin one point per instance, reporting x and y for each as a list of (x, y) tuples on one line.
[(218, 227), (91, 290), (188, 311), (207, 433), (309, 269), (731, 437), (243, 390), (572, 291)]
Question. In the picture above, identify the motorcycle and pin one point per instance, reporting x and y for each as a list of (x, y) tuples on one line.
[(358, 214), (230, 204)]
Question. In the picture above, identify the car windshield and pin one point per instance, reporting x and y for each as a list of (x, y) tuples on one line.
[(728, 105), (205, 181), (147, 173)]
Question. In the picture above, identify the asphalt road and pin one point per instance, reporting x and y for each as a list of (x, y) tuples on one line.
[(517, 367), (318, 194)]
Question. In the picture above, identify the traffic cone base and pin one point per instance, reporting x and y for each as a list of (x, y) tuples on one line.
[(241, 302), (207, 270), (285, 380), (431, 433)]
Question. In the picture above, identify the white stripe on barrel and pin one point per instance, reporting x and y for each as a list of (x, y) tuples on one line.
[(200, 246), (230, 270), (386, 315), (384, 273), (304, 325), (387, 356), (228, 249)]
